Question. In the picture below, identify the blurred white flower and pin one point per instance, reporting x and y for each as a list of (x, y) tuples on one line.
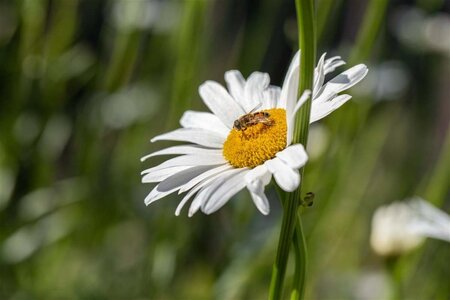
[(129, 15), (421, 31), (403, 226), (234, 147), (127, 106), (28, 239)]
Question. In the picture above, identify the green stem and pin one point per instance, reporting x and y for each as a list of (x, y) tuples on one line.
[(301, 259), (439, 183), (307, 44), (373, 18), (327, 11), (395, 276), (189, 45)]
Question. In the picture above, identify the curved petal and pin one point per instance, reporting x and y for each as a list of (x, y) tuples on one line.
[(254, 88), (188, 160), (270, 97), (236, 85), (220, 102), (162, 174), (179, 179), (208, 189), (183, 149), (259, 173), (156, 195), (341, 82), (332, 63), (205, 176), (193, 135), (320, 110), (294, 156), (256, 180), (202, 184), (319, 75), (287, 178), (291, 121), (259, 198), (288, 95), (204, 120), (230, 187)]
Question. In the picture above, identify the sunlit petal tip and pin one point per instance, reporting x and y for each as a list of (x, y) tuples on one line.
[(294, 156), (287, 178), (259, 198)]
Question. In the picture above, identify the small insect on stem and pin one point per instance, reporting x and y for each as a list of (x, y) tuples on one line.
[(308, 200), (252, 118)]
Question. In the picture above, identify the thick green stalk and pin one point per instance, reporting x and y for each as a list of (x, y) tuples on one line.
[(305, 15), (301, 259)]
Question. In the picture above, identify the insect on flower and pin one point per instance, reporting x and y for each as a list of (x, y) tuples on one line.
[(253, 118)]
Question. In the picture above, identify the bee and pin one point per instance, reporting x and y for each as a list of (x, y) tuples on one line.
[(252, 118)]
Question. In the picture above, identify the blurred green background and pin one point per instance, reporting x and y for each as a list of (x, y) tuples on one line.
[(86, 83)]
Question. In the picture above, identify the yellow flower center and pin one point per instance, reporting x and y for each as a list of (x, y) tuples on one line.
[(259, 138)]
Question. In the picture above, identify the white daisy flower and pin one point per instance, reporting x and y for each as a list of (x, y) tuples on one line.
[(402, 226), (246, 139)]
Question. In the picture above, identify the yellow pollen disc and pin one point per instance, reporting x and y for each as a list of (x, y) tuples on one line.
[(256, 143)]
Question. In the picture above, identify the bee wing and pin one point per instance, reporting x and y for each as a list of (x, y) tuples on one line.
[(255, 108)]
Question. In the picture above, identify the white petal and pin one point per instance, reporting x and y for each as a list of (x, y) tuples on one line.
[(199, 199), (260, 200), (332, 63), (259, 173), (270, 97), (294, 156), (204, 120), (320, 110), (188, 160), (319, 75), (305, 96), (220, 196), (208, 188), (291, 121), (256, 180), (236, 85), (254, 88), (342, 82), (183, 149), (220, 102), (181, 178), (288, 96), (156, 195), (287, 178), (201, 184), (205, 176), (162, 174), (193, 135)]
